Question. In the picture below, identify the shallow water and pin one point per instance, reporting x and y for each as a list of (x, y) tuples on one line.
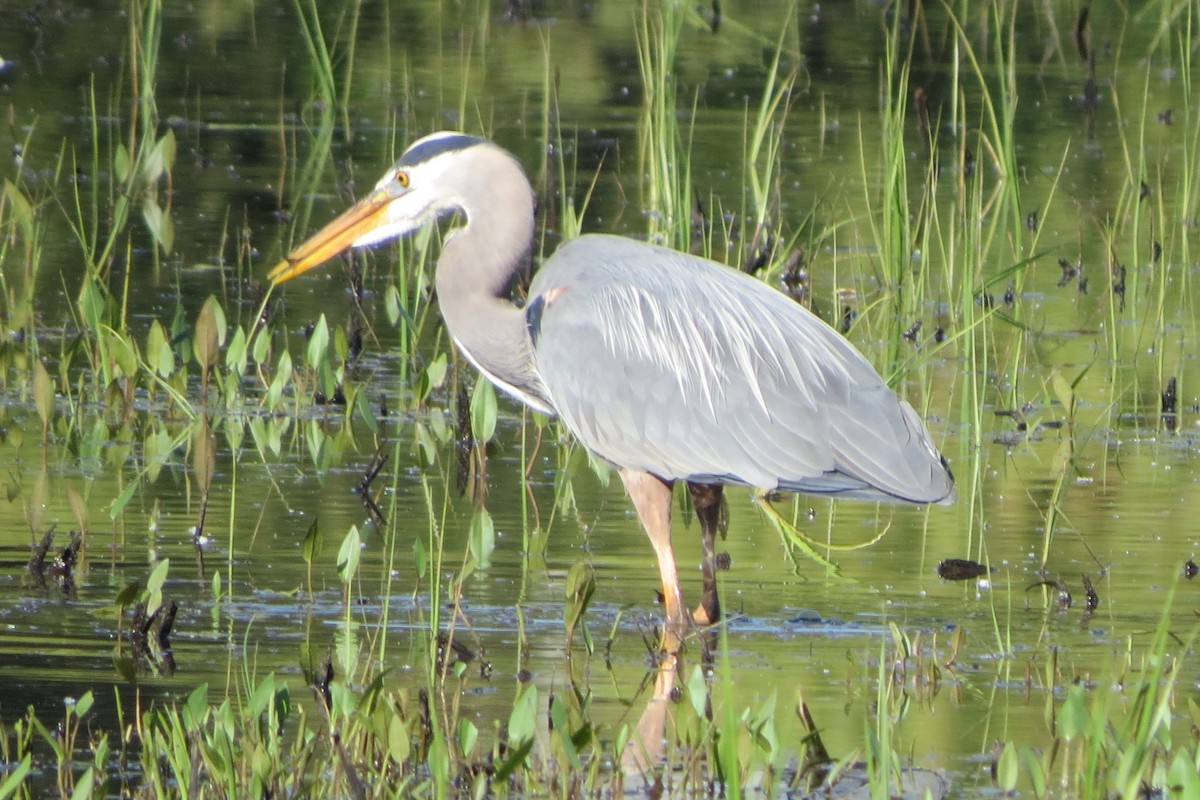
[(236, 87)]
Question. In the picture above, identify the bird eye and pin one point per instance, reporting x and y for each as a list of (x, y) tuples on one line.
[(402, 179)]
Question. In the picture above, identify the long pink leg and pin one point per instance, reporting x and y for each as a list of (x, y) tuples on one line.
[(651, 497)]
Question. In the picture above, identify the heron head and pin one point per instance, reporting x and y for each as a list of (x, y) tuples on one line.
[(416, 190)]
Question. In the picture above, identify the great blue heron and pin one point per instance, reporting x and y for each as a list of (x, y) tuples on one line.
[(668, 366)]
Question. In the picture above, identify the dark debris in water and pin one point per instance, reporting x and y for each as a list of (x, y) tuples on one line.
[(62, 568), (150, 638), (1093, 599), (960, 569), (1064, 594)]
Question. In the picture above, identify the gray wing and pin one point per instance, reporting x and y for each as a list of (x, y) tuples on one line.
[(687, 369)]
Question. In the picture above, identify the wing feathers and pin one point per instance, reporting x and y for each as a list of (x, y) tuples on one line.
[(672, 364)]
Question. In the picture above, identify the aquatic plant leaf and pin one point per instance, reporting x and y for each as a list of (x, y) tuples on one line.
[(522, 722), (362, 404), (419, 560), (21, 210), (161, 158), (1182, 776), (121, 163), (83, 704), (262, 342), (397, 739), (159, 354), (126, 596), (1064, 392), (391, 304), (697, 690), (154, 586), (43, 393), (204, 455), (118, 505), (318, 343), (312, 542), (236, 357), (482, 538), (468, 735), (1074, 719), (206, 342), (580, 587), (93, 304), (315, 438), (159, 223), (562, 729), (78, 508), (16, 777), (483, 411), (122, 353), (283, 375), (195, 708), (84, 785), (430, 378), (1034, 770), (348, 554), (1008, 769)]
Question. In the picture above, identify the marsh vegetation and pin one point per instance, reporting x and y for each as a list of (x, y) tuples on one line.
[(287, 544)]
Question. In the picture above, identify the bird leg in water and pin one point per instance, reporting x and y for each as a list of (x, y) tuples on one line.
[(706, 499), (651, 497)]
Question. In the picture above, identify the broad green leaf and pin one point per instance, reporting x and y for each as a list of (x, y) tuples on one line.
[(312, 542), (43, 393), (522, 722), (159, 354), (154, 586), (483, 538), (348, 555), (318, 343), (159, 223), (236, 356), (206, 343), (160, 159), (483, 411)]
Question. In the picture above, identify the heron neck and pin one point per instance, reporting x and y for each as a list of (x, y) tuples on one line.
[(474, 280)]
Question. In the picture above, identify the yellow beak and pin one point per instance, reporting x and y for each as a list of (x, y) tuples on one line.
[(365, 216)]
